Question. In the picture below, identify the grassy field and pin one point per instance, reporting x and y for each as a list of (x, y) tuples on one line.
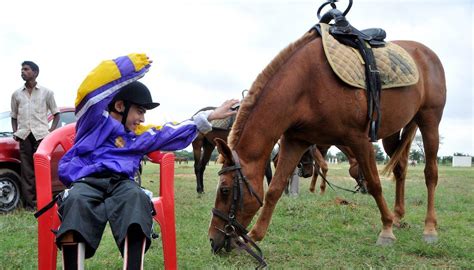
[(307, 232)]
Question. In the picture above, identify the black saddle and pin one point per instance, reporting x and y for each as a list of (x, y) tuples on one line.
[(342, 29)]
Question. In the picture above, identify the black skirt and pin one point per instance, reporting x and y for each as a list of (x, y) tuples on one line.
[(90, 202)]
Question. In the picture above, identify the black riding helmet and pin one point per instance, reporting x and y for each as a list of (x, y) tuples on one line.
[(134, 93)]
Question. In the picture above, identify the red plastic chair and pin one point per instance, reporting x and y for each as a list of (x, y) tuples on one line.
[(46, 158)]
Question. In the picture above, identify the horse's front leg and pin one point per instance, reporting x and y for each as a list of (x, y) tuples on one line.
[(364, 152), (287, 162), (274, 192)]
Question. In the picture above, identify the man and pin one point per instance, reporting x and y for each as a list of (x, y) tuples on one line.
[(29, 112)]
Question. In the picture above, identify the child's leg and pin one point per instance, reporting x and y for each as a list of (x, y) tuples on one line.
[(129, 212), (73, 253), (134, 249)]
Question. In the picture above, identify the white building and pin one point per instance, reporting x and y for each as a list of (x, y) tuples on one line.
[(462, 161)]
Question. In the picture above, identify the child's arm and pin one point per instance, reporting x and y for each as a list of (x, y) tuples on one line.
[(173, 137)]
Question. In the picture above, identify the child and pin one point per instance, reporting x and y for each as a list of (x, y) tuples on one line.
[(99, 169)]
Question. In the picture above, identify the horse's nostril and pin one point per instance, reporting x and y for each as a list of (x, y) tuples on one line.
[(213, 247)]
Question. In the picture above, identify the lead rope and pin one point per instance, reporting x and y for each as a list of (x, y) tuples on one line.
[(334, 185)]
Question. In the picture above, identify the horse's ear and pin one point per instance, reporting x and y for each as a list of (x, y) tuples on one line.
[(224, 150)]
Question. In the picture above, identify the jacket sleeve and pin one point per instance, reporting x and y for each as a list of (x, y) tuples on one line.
[(169, 137)]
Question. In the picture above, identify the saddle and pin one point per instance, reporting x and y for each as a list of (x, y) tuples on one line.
[(354, 56), (225, 124)]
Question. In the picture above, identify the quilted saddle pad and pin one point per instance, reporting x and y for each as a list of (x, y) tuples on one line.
[(225, 123), (395, 65)]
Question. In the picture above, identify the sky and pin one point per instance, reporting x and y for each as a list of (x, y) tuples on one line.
[(205, 52)]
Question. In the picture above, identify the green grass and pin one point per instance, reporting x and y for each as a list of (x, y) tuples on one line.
[(307, 232)]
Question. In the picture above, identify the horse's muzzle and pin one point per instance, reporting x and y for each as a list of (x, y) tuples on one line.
[(221, 241), (217, 242)]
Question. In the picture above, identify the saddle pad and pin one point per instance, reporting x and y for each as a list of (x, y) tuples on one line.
[(225, 123), (395, 65)]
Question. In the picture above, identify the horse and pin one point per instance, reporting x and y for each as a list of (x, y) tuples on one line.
[(181, 159), (299, 98), (203, 146), (312, 164)]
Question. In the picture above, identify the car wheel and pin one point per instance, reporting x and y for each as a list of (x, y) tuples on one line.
[(9, 190)]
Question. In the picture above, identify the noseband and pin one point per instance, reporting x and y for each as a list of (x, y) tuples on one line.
[(233, 229)]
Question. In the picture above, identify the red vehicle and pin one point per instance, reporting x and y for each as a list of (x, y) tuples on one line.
[(10, 160)]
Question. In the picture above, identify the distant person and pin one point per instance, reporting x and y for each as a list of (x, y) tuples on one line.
[(99, 169), (293, 188), (29, 112)]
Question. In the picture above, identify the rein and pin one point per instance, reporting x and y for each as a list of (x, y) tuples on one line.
[(233, 229), (359, 188)]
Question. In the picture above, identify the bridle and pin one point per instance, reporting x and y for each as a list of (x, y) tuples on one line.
[(302, 164), (233, 230)]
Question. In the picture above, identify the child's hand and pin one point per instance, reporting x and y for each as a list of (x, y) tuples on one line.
[(223, 111)]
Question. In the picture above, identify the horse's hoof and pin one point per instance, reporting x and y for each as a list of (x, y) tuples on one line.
[(385, 241), (430, 238)]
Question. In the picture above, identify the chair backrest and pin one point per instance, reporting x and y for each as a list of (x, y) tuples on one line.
[(46, 159)]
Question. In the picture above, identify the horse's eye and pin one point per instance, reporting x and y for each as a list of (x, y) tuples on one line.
[(225, 191)]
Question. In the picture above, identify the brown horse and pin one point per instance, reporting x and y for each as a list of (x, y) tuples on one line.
[(298, 97), (203, 145)]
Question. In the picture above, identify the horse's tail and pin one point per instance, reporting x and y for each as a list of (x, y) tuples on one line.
[(408, 134)]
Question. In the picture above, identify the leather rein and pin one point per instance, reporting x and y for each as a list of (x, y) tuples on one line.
[(233, 230)]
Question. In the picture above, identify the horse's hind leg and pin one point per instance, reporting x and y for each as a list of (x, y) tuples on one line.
[(206, 156), (323, 166), (314, 179), (319, 152), (429, 132), (364, 152), (197, 153)]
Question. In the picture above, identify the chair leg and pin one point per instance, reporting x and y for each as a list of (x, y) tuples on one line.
[(168, 239), (47, 250)]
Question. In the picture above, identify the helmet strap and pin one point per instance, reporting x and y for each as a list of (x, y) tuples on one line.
[(124, 114)]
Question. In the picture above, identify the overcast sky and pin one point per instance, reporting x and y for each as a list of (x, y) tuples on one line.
[(207, 51)]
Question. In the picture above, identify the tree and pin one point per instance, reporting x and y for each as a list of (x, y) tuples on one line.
[(379, 155), (418, 151), (417, 146), (417, 155), (341, 157)]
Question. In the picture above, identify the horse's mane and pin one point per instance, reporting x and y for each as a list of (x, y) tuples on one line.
[(259, 83)]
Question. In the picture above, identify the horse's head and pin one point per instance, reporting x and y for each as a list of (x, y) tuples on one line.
[(305, 167), (236, 202)]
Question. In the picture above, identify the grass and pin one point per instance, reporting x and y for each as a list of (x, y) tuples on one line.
[(307, 232)]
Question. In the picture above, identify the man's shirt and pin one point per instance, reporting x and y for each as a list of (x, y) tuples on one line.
[(31, 112)]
